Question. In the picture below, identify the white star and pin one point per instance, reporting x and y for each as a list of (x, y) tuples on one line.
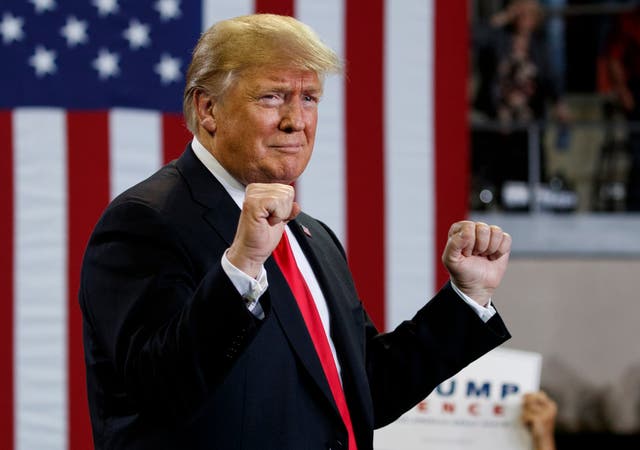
[(43, 5), (75, 31), (106, 7), (106, 64), (11, 28), (137, 34), (168, 68), (168, 9), (44, 61)]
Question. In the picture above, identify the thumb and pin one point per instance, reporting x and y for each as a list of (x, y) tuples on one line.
[(295, 210), (461, 239)]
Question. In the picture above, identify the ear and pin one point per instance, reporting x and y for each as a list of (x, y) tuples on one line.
[(204, 109)]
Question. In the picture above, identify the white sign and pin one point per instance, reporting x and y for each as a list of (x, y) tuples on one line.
[(479, 408)]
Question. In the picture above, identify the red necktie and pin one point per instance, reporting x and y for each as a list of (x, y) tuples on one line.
[(284, 257)]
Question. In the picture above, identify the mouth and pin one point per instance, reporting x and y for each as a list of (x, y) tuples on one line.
[(288, 148)]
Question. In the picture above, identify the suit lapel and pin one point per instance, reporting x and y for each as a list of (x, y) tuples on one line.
[(329, 276), (287, 312), (334, 278), (223, 214)]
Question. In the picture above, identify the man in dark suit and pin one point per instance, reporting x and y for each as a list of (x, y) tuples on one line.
[(196, 334)]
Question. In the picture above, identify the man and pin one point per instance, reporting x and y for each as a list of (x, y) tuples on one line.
[(200, 334)]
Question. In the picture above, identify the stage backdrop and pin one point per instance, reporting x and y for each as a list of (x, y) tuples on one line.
[(90, 103)]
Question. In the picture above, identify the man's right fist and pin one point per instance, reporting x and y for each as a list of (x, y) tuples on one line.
[(266, 210)]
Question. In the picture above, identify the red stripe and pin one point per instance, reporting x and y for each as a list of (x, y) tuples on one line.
[(88, 185), (282, 7), (175, 136), (364, 92), (450, 123), (6, 281)]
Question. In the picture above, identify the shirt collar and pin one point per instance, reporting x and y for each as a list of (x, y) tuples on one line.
[(233, 187)]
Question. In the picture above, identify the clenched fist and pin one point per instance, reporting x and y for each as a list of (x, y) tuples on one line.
[(266, 210), (476, 257)]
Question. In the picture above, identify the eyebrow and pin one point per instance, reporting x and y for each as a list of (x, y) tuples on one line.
[(280, 84)]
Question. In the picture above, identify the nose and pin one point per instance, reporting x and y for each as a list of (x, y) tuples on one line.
[(292, 116)]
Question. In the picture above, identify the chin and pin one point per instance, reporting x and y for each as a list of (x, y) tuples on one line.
[(272, 178), (276, 173), (287, 176)]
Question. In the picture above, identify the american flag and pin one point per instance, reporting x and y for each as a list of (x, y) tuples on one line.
[(97, 54), (90, 104)]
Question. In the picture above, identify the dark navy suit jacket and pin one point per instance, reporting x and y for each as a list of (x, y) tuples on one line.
[(176, 361)]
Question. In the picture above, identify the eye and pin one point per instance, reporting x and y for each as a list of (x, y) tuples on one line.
[(307, 98), (271, 99)]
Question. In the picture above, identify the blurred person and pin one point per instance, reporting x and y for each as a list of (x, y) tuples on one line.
[(623, 62), (621, 403), (217, 315), (524, 75), (539, 417), (516, 84)]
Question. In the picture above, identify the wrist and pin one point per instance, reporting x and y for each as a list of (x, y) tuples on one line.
[(243, 263), (544, 442), (480, 296)]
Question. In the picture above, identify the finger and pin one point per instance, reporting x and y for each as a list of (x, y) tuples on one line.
[(526, 419), (281, 210), (503, 249), (495, 240), (533, 409), (536, 397), (538, 406), (461, 239), (529, 399), (455, 228), (483, 237), (272, 201)]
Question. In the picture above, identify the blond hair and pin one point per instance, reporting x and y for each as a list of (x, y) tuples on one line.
[(234, 45)]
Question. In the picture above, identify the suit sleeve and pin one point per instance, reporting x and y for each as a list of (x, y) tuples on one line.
[(169, 334), (405, 365)]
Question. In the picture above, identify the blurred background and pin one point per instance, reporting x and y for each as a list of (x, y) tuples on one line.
[(555, 158)]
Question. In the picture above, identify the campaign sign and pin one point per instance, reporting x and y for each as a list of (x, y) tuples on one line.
[(479, 408)]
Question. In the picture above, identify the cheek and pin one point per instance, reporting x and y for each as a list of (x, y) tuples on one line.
[(262, 121), (311, 126), (311, 136)]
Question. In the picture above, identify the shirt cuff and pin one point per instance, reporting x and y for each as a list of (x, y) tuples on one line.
[(484, 312), (251, 289)]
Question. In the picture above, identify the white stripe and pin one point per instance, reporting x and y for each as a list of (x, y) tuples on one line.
[(40, 279), (408, 158), (321, 190), (135, 137), (216, 10)]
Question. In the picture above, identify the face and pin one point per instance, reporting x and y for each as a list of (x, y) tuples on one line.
[(263, 129)]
